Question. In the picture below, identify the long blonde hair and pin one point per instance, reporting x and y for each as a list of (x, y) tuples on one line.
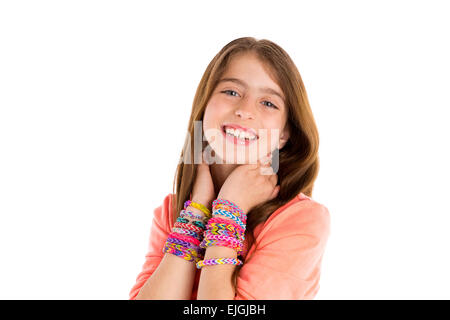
[(298, 159)]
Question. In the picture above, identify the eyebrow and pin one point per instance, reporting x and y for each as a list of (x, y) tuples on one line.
[(262, 89)]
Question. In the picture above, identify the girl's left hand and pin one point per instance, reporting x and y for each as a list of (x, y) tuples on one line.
[(247, 186)]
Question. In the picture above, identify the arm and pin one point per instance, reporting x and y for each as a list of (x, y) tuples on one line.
[(216, 281), (172, 280)]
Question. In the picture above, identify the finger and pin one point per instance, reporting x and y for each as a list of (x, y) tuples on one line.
[(204, 164), (253, 166), (266, 171), (205, 158), (264, 162), (267, 158)]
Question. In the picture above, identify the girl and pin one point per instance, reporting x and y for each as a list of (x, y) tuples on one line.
[(235, 228)]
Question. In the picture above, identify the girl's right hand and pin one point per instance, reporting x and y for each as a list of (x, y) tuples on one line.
[(203, 190), (250, 184)]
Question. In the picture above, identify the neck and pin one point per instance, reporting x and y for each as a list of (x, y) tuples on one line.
[(220, 173)]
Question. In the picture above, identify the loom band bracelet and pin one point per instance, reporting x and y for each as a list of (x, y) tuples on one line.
[(241, 218), (193, 241), (182, 249), (229, 215), (199, 224), (199, 206), (220, 230), (188, 226), (227, 233), (188, 213), (183, 243), (202, 208), (188, 232), (228, 208), (211, 262), (227, 203), (231, 240), (227, 222), (238, 213), (231, 210), (226, 226), (186, 237), (182, 220), (182, 254), (196, 223)]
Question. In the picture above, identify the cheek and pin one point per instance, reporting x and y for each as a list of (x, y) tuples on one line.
[(270, 136), (212, 119), (214, 114)]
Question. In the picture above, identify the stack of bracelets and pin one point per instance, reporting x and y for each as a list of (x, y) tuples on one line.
[(190, 237)]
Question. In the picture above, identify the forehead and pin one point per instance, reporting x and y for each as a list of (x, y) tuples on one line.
[(246, 69)]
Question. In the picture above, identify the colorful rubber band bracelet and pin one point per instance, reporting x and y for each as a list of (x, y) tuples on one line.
[(188, 213), (229, 215), (199, 206), (211, 262), (228, 203)]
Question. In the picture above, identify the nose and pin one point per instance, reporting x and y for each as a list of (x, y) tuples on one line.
[(244, 110)]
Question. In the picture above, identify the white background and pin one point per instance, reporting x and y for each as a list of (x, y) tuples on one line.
[(95, 97)]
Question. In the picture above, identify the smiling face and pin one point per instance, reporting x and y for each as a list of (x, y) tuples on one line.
[(249, 101)]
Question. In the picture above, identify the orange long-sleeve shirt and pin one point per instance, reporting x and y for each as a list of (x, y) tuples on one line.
[(286, 265)]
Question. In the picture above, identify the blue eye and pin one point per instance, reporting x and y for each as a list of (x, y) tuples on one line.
[(225, 91), (272, 105)]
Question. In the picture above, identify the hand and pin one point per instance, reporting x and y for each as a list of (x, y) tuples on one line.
[(251, 184), (203, 190)]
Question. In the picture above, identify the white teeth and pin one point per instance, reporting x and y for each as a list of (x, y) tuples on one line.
[(240, 134)]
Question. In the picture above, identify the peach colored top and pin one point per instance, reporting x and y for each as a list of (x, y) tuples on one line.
[(286, 263)]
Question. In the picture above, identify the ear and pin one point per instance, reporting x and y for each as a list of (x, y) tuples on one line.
[(284, 137)]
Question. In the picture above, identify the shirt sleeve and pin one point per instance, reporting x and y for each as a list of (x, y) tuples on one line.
[(158, 235), (286, 264)]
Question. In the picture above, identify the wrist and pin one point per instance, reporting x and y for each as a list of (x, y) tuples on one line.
[(207, 203)]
